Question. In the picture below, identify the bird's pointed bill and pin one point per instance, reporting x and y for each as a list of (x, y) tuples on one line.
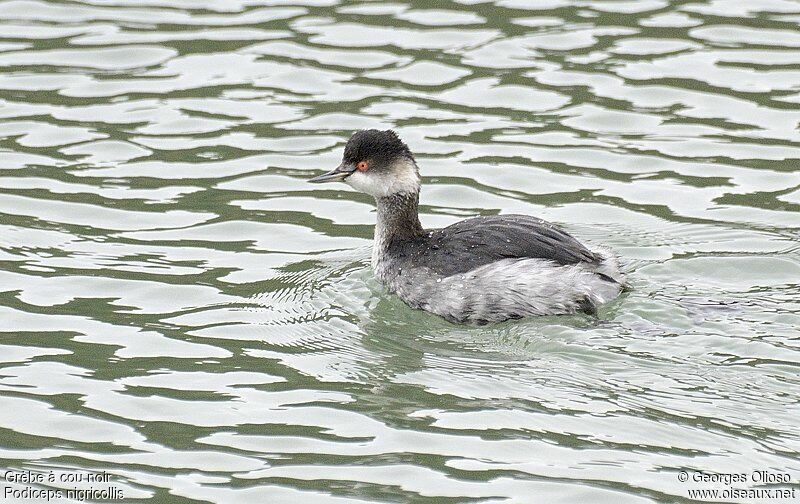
[(338, 174)]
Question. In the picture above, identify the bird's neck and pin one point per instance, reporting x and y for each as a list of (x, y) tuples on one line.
[(398, 219)]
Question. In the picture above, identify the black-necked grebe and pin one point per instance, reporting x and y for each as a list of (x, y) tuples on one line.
[(479, 270)]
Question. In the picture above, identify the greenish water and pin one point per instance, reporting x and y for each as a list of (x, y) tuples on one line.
[(179, 308)]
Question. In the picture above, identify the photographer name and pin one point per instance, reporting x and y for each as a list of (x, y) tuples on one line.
[(760, 477)]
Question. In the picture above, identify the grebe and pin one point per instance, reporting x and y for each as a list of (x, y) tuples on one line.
[(479, 270)]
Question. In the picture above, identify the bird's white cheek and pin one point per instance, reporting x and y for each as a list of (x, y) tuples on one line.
[(374, 185), (399, 178)]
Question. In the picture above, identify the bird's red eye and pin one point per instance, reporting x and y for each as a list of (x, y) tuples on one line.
[(362, 166)]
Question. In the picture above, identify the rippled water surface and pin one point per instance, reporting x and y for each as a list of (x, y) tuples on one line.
[(181, 309)]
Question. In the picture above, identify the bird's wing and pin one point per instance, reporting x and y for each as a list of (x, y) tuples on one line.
[(474, 242)]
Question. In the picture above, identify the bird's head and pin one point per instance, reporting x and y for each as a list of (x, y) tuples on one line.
[(377, 163)]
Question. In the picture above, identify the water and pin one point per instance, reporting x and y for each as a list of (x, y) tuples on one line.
[(180, 309)]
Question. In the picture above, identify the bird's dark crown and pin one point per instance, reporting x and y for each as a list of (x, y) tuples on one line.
[(376, 146)]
